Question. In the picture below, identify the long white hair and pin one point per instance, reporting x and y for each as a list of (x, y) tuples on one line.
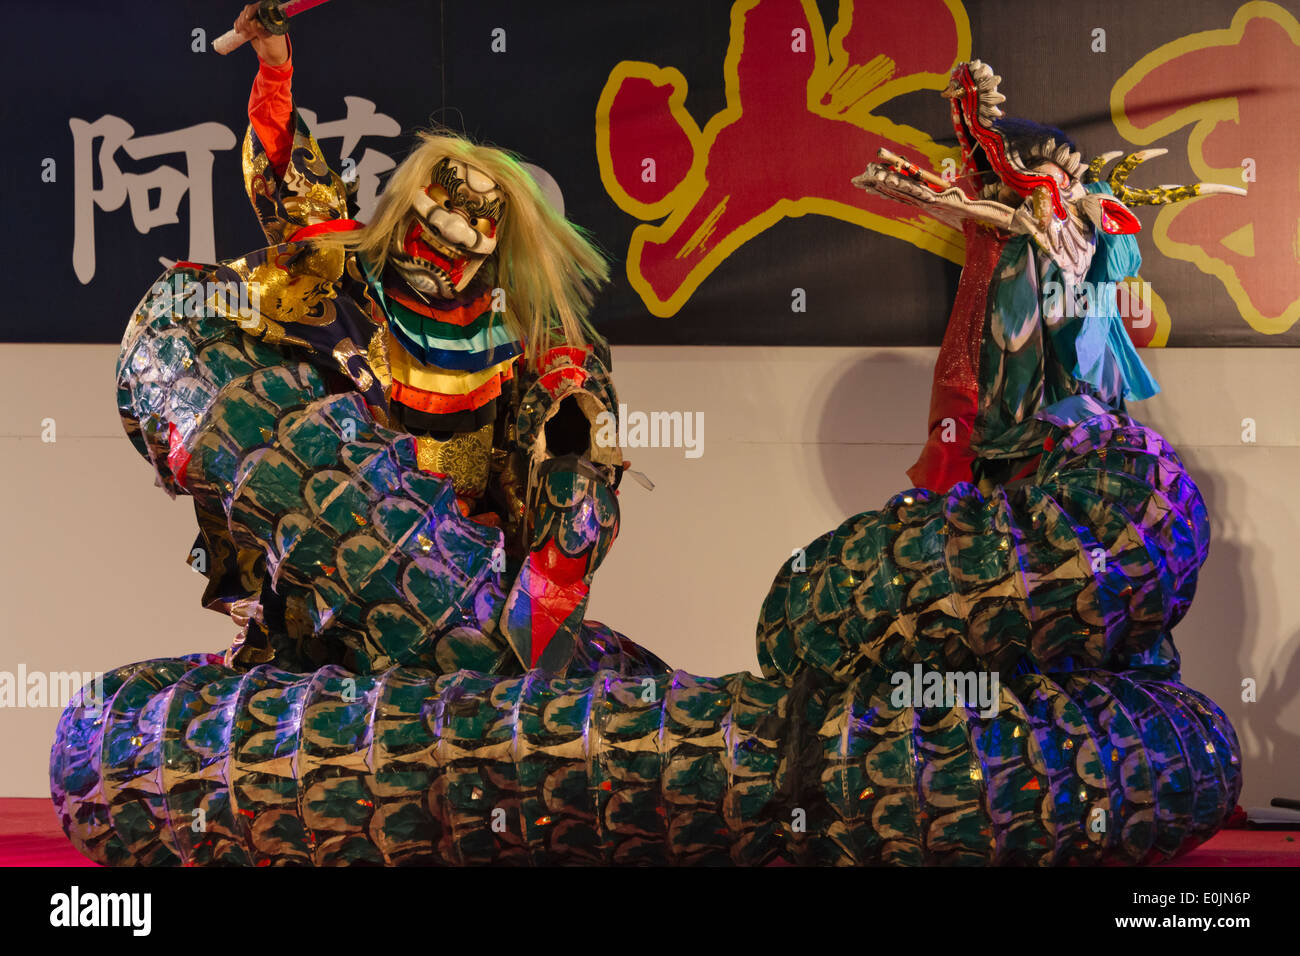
[(549, 268)]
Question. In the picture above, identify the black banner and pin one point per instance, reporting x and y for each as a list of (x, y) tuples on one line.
[(707, 145)]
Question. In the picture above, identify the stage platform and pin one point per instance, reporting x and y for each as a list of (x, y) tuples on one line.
[(30, 836)]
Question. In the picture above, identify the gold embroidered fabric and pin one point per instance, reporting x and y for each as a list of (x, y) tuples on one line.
[(465, 459)]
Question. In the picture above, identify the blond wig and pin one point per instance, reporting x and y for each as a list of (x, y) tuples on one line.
[(548, 267)]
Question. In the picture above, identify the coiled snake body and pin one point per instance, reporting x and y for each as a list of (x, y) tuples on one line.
[(1095, 754)]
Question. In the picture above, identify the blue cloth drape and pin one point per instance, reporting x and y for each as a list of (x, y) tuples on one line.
[(1102, 345)]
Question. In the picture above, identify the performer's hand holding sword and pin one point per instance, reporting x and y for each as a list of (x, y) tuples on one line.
[(264, 25)]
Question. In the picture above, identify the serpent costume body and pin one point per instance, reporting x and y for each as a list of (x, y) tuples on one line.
[(397, 708)]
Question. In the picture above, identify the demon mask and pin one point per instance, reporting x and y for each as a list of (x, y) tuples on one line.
[(450, 231)]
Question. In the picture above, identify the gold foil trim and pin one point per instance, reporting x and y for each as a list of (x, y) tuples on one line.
[(344, 350), (377, 356)]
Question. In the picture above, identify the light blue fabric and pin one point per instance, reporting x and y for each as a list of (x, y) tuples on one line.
[(1102, 346)]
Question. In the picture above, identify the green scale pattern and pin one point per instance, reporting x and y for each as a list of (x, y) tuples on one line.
[(193, 763)]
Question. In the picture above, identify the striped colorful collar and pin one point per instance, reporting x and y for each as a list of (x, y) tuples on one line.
[(463, 310)]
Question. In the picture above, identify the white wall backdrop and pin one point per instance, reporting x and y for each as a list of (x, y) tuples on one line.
[(92, 569)]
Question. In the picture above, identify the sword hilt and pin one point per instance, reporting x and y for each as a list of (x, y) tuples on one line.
[(274, 18)]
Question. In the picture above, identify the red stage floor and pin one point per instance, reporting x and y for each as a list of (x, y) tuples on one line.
[(30, 836)]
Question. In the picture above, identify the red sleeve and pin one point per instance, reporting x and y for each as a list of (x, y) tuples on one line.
[(270, 110)]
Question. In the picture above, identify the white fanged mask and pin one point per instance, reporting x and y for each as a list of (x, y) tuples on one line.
[(450, 231)]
